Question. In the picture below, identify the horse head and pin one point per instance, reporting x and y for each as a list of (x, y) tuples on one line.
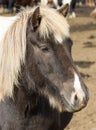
[(52, 69), (39, 54)]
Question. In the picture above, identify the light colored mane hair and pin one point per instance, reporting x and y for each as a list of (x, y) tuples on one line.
[(13, 45), (53, 22)]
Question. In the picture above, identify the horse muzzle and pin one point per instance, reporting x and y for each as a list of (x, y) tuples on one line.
[(76, 103)]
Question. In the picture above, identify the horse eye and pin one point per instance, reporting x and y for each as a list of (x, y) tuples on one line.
[(44, 48)]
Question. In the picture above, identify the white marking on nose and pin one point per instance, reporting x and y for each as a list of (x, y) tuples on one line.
[(78, 88)]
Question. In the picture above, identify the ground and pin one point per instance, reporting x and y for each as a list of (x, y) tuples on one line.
[(83, 34)]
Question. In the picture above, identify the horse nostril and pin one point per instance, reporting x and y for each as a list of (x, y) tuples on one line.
[(76, 99)]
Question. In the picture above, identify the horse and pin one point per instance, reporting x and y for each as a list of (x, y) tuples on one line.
[(25, 3), (7, 6), (51, 3), (38, 78)]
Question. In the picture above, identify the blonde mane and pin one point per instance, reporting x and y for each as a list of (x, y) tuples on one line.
[(13, 44), (55, 23)]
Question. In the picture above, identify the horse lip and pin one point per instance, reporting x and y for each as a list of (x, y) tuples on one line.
[(80, 107), (73, 109), (66, 106)]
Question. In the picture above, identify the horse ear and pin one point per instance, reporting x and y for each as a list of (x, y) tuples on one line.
[(64, 10), (36, 19)]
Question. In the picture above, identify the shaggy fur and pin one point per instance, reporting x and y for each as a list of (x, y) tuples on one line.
[(37, 78), (12, 56)]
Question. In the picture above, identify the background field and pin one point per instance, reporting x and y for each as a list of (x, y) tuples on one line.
[(83, 34)]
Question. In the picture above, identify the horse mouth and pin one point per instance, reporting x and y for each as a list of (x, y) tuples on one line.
[(67, 106), (70, 108)]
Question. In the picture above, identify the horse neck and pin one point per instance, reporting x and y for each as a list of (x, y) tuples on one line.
[(25, 102), (40, 111)]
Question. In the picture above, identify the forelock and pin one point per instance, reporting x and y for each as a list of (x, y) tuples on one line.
[(53, 23)]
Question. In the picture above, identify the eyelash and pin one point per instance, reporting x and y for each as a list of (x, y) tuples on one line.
[(44, 48)]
